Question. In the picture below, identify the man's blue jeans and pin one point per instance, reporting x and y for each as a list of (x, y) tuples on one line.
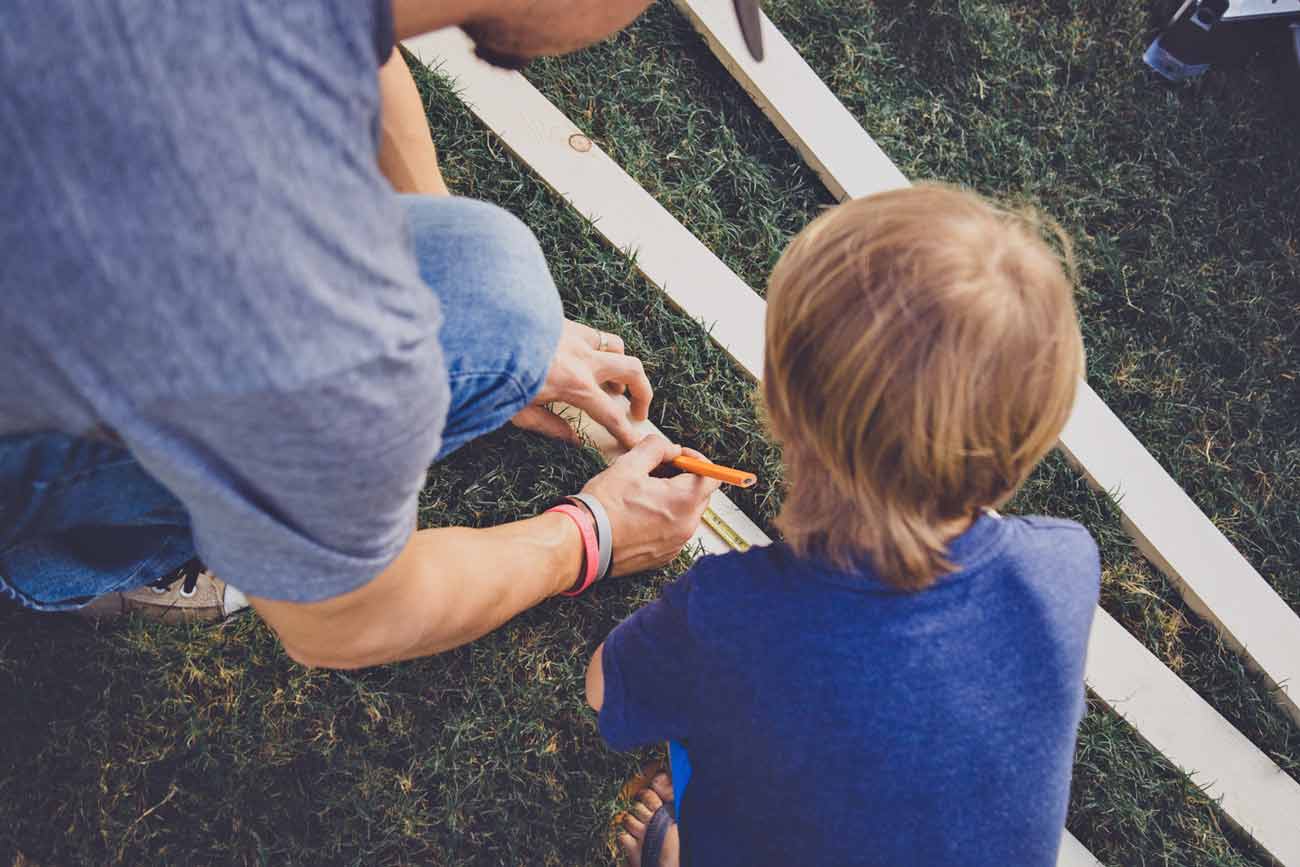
[(79, 517)]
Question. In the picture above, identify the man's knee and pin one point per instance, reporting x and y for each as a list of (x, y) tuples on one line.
[(491, 277), (517, 290)]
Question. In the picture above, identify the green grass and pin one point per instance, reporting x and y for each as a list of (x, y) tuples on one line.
[(151, 744)]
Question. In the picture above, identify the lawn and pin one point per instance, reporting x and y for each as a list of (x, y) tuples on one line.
[(151, 744)]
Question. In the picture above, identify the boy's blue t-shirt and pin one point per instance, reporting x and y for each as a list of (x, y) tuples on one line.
[(832, 720)]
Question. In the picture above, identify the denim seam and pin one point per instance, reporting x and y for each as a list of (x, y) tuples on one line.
[(33, 604), (74, 602), (78, 476), (525, 394)]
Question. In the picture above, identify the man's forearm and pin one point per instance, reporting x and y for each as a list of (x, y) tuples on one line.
[(407, 156), (447, 587)]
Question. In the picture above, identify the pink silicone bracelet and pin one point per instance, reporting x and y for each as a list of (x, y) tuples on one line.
[(590, 547)]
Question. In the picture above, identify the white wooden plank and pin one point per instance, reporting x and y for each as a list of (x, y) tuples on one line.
[(1254, 793), (1072, 853), (1216, 581), (544, 139), (1161, 701), (847, 164)]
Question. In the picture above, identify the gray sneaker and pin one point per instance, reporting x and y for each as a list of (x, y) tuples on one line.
[(189, 595)]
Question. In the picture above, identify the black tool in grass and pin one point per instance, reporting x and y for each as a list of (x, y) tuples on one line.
[(1204, 33)]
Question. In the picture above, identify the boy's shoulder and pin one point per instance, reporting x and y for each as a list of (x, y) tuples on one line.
[(1046, 523), (1033, 534), (756, 566), (1039, 547), (737, 578), (1058, 556)]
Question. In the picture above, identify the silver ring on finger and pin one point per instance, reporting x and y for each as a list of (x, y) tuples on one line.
[(604, 342)]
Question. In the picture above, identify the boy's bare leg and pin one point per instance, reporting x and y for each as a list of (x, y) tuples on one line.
[(634, 825)]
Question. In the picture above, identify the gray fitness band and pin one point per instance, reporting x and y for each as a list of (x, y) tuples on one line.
[(604, 532)]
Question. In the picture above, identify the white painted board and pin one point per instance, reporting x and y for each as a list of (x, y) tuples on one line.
[(1254, 793), (1074, 854), (1212, 576), (847, 164), (1256, 9), (544, 138), (1217, 582), (1108, 675)]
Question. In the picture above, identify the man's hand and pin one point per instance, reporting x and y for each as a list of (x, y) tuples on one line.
[(590, 372), (450, 585), (651, 518)]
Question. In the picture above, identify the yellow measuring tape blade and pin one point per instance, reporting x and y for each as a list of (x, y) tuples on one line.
[(714, 522)]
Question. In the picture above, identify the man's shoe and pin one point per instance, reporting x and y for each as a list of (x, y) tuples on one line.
[(188, 595)]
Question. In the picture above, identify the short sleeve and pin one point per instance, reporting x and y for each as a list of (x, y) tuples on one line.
[(384, 33), (305, 494), (649, 672)]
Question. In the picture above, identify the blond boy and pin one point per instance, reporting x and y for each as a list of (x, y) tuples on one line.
[(900, 680)]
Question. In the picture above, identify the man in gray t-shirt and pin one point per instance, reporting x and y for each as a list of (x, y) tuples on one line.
[(227, 339)]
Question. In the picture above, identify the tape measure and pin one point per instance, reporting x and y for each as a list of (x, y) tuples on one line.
[(714, 522)]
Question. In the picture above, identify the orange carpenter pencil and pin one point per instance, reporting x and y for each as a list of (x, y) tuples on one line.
[(715, 471)]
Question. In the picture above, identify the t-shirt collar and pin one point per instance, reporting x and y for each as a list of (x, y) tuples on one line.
[(974, 547), (978, 544)]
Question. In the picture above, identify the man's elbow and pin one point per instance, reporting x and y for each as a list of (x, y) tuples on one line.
[(371, 625), (336, 658), (361, 647)]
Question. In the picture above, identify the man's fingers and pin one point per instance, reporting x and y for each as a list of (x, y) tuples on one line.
[(539, 419), (695, 487), (641, 393), (685, 481), (651, 452), (601, 341), (628, 371), (701, 506), (612, 367), (610, 412), (613, 343)]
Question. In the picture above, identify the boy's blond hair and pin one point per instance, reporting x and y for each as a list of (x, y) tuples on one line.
[(923, 352)]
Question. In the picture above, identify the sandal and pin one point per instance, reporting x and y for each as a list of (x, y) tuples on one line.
[(655, 832)]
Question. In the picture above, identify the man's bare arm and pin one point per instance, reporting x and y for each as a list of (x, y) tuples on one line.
[(447, 587), (407, 156), (451, 585)]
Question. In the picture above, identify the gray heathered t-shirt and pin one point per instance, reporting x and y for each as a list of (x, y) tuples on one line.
[(199, 256)]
